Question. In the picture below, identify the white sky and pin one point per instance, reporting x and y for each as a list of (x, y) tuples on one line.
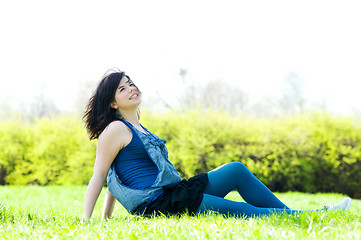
[(56, 46)]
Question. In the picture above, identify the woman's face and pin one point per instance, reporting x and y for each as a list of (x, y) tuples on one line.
[(126, 96)]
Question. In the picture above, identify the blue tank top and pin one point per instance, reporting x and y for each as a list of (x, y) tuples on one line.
[(134, 167), (156, 149)]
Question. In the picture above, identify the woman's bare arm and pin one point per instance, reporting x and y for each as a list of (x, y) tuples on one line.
[(109, 202), (94, 188), (110, 141)]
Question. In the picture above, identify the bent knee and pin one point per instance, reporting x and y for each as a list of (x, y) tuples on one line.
[(236, 167)]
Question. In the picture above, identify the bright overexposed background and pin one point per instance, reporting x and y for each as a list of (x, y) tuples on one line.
[(55, 49)]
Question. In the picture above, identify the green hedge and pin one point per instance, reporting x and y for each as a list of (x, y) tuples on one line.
[(314, 152), (49, 151)]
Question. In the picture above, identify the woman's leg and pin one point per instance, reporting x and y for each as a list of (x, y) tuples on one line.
[(259, 199), (236, 175), (236, 209)]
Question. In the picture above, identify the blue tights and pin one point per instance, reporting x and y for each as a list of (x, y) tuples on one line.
[(259, 200)]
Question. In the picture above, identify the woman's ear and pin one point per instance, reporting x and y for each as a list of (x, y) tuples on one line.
[(114, 105)]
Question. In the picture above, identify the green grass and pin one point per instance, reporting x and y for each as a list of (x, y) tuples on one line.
[(54, 212)]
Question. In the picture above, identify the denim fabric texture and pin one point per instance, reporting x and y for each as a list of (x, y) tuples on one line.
[(167, 174)]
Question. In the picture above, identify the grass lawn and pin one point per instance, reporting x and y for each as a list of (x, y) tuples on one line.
[(54, 212)]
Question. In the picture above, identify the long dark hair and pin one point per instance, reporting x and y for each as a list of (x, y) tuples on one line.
[(98, 113)]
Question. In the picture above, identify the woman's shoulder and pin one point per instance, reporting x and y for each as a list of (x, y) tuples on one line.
[(116, 129), (116, 125)]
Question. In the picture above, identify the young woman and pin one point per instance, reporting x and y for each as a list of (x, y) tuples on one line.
[(140, 176)]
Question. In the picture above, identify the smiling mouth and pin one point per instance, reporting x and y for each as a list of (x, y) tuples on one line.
[(133, 96)]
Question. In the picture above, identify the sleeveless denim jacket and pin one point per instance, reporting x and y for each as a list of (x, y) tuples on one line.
[(167, 174)]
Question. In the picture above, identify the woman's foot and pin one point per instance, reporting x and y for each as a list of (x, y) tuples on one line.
[(344, 205)]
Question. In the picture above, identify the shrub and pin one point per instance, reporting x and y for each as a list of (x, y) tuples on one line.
[(313, 152), (58, 153), (15, 144)]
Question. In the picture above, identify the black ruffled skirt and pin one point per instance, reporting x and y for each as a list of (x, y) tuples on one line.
[(179, 198)]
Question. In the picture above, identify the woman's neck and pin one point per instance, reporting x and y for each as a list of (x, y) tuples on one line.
[(131, 117)]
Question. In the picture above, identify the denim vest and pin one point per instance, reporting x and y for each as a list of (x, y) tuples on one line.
[(167, 174)]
